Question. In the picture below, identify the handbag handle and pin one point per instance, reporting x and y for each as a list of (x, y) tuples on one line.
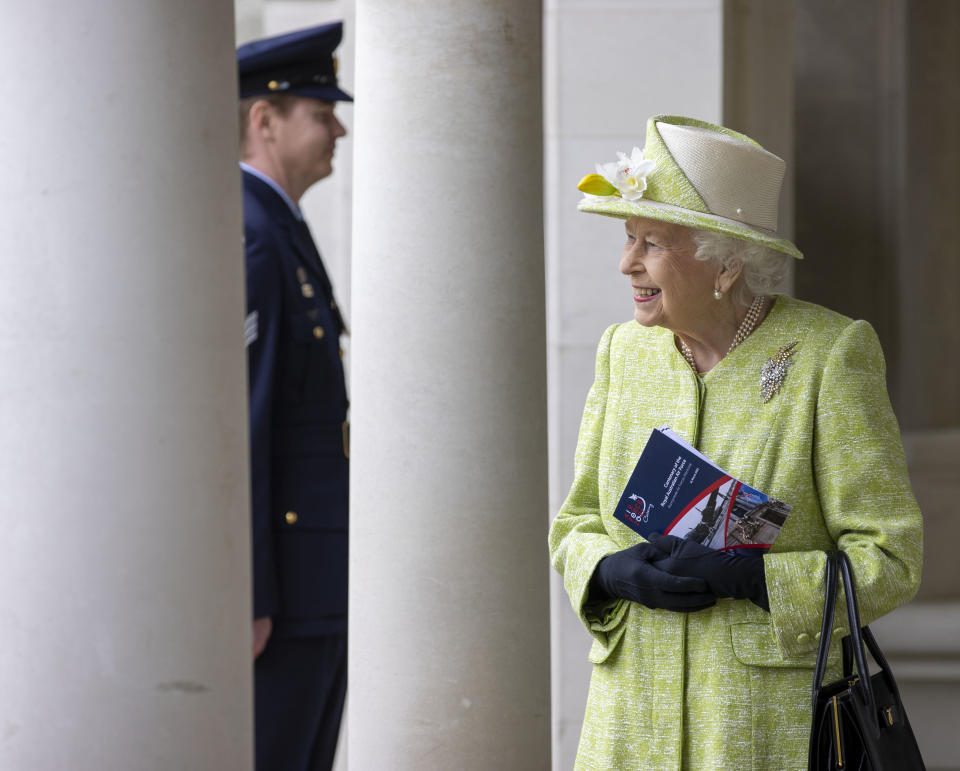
[(838, 564), (826, 625), (856, 630)]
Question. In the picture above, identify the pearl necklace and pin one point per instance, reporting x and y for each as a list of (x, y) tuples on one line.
[(747, 326)]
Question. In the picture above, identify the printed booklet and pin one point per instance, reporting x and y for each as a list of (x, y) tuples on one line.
[(677, 490)]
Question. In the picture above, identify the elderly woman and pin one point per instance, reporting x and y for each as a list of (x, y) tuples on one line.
[(703, 659)]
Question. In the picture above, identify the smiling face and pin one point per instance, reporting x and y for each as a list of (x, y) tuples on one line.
[(671, 288)]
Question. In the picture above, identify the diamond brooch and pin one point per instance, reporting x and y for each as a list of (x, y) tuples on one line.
[(774, 370)]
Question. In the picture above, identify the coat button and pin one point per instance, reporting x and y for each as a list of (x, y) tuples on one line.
[(291, 517), (803, 638), (318, 333)]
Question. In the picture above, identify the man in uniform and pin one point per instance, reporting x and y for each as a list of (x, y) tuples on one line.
[(298, 402)]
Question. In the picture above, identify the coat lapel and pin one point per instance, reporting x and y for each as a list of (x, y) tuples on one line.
[(302, 240), (298, 234)]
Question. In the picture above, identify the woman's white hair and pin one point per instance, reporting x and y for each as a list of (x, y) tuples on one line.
[(763, 268)]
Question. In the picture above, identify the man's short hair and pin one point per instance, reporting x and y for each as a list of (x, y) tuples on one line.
[(282, 103)]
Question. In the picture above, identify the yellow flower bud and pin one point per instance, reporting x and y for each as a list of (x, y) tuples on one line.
[(594, 184)]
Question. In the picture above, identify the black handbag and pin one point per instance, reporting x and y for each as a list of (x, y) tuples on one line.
[(858, 721)]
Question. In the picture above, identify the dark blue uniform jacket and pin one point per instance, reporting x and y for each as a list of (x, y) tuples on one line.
[(298, 430)]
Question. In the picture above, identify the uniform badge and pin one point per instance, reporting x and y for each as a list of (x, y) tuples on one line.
[(250, 328)]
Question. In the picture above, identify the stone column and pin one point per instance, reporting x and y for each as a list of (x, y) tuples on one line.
[(124, 578), (449, 635)]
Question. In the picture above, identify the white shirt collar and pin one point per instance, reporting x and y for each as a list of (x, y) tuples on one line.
[(280, 191)]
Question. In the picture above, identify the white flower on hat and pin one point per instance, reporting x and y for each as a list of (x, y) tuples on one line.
[(628, 174), (624, 178)]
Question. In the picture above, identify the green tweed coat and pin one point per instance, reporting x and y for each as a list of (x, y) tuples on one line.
[(729, 687)]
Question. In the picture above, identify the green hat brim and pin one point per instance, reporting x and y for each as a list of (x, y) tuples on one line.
[(613, 206)]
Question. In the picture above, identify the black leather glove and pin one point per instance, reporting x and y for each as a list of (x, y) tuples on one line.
[(632, 575), (727, 575)]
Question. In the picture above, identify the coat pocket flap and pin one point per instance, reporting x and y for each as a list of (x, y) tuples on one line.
[(756, 644)]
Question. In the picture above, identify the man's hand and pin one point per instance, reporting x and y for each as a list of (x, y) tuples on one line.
[(262, 627)]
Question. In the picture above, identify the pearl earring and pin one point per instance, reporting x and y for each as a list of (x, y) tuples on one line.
[(717, 294)]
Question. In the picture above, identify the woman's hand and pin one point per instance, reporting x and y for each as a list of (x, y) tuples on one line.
[(727, 575), (632, 575)]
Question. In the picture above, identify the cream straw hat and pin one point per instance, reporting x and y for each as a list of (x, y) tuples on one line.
[(696, 174)]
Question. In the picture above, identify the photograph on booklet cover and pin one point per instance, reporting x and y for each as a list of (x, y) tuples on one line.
[(676, 490)]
